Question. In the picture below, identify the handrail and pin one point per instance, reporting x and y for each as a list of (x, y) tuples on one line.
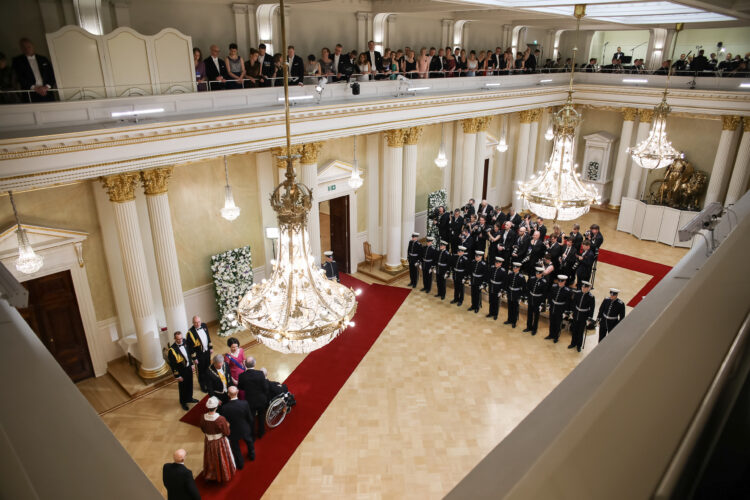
[(676, 469)]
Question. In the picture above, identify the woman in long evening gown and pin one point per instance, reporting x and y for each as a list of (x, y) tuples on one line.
[(218, 461)]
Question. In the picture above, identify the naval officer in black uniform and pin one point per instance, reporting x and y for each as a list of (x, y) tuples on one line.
[(478, 273), (611, 312), (583, 304), (515, 285), (559, 299), (330, 266), (496, 279), (536, 291), (460, 268), (429, 255), (413, 254), (442, 268)]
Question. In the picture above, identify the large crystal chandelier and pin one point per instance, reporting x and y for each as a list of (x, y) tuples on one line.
[(558, 193), (656, 151), (297, 310), (28, 261)]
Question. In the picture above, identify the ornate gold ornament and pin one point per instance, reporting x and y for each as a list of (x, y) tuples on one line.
[(309, 152), (730, 122), (628, 114), (413, 135), (121, 187), (155, 181), (681, 186), (395, 137)]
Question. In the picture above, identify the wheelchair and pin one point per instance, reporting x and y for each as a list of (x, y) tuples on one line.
[(278, 408)]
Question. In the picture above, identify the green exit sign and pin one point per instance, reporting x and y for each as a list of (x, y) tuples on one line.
[(332, 188)]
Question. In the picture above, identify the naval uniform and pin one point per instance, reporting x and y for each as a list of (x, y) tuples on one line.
[(515, 285), (460, 268), (413, 252), (332, 270), (496, 278), (611, 312), (536, 291), (181, 363), (428, 261), (583, 304), (478, 273), (443, 268), (559, 298)]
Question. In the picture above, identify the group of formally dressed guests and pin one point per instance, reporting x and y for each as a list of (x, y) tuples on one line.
[(239, 395), (698, 65), (513, 256), (30, 72)]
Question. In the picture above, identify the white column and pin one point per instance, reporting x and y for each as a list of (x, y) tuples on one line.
[(448, 144), (409, 188), (644, 126), (394, 155), (469, 154), (167, 266), (480, 154), (369, 36), (445, 25), (533, 141), (372, 171), (240, 28), (391, 21), (623, 158), (741, 171), (522, 155), (121, 190), (720, 173), (361, 30), (458, 158), (309, 170)]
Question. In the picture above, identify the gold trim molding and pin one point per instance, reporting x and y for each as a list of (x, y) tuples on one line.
[(395, 137), (470, 125), (412, 135), (730, 122), (483, 123), (628, 114), (310, 152), (151, 374), (281, 151), (530, 115), (646, 115), (746, 124), (121, 187), (156, 180)]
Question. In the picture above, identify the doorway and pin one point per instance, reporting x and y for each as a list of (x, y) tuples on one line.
[(334, 230), (485, 178), (54, 316)]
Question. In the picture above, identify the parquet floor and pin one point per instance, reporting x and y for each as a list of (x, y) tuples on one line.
[(436, 392)]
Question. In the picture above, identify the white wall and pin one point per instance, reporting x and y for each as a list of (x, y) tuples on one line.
[(627, 39), (484, 35), (21, 22), (311, 29), (416, 31), (736, 40)]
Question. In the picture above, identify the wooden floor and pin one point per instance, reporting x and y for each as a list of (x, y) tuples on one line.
[(436, 392)]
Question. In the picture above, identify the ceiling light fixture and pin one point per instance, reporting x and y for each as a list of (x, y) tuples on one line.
[(441, 161), (28, 262), (229, 211), (297, 98), (656, 151), (355, 181), (634, 80), (414, 89), (117, 114), (297, 309), (558, 193)]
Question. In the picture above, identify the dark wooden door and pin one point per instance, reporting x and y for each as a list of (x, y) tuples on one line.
[(54, 316), (485, 180), (340, 231)]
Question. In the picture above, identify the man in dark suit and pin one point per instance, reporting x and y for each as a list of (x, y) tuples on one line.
[(457, 224), (568, 258), (216, 70), (240, 418), (266, 66), (514, 218), (444, 224), (506, 242), (178, 479), (218, 380), (618, 55), (34, 72), (181, 363), (255, 385), (437, 64), (296, 67), (200, 349), (375, 60), (585, 263), (339, 61), (534, 253), (485, 210), (497, 59), (413, 256), (577, 237), (541, 228), (555, 250)]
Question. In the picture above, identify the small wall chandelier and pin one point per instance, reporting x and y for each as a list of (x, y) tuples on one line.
[(355, 181), (502, 144), (441, 161), (28, 261), (656, 151), (558, 192), (297, 310), (230, 211)]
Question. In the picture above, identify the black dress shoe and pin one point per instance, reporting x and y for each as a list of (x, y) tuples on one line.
[(184, 406), (251, 458), (471, 308), (453, 301), (193, 400), (556, 340), (460, 304), (437, 295), (495, 318), (549, 337), (513, 325), (533, 332), (579, 349), (422, 289), (571, 346), (526, 330), (507, 322), (442, 297), (488, 315), (476, 310)]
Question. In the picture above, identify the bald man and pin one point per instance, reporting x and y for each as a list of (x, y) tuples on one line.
[(201, 350), (216, 70), (178, 479), (240, 418)]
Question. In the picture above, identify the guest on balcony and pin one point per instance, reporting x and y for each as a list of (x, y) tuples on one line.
[(296, 67), (200, 69), (423, 63), (235, 68), (253, 76), (326, 63), (216, 70), (312, 71), (34, 72), (363, 68), (472, 64)]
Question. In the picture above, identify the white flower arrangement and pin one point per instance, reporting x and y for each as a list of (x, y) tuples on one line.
[(435, 200), (233, 276)]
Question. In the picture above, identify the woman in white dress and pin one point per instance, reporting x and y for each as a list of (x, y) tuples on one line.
[(363, 68)]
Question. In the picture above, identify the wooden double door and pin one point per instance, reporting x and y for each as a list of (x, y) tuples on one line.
[(339, 232), (54, 316)]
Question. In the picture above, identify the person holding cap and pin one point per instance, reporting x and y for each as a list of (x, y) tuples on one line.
[(460, 268), (443, 268), (218, 461), (496, 278), (413, 252), (428, 261), (478, 273), (559, 299), (515, 286), (583, 310), (536, 291), (611, 312), (330, 266)]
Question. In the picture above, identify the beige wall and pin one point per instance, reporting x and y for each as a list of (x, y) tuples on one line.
[(26, 21), (69, 207), (311, 29), (196, 194), (429, 176), (415, 31)]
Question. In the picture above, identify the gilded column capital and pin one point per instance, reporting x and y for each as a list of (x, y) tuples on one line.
[(483, 123), (746, 124), (528, 115), (628, 114), (412, 135), (646, 115), (470, 125), (730, 122), (396, 137), (155, 180), (536, 114), (281, 151), (121, 187), (310, 152)]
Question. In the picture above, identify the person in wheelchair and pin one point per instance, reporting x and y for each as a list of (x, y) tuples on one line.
[(260, 393)]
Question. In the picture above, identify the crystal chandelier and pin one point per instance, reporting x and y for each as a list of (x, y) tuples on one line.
[(550, 134), (28, 261), (502, 145), (355, 181), (656, 151), (297, 310), (441, 161), (558, 193), (230, 211)]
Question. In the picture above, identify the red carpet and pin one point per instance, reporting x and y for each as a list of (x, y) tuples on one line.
[(657, 271), (314, 383)]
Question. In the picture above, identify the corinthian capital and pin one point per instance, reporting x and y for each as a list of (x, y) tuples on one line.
[(412, 135), (310, 152), (155, 180), (121, 187), (395, 137)]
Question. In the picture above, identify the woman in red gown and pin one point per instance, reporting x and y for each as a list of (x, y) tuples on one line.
[(218, 461)]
